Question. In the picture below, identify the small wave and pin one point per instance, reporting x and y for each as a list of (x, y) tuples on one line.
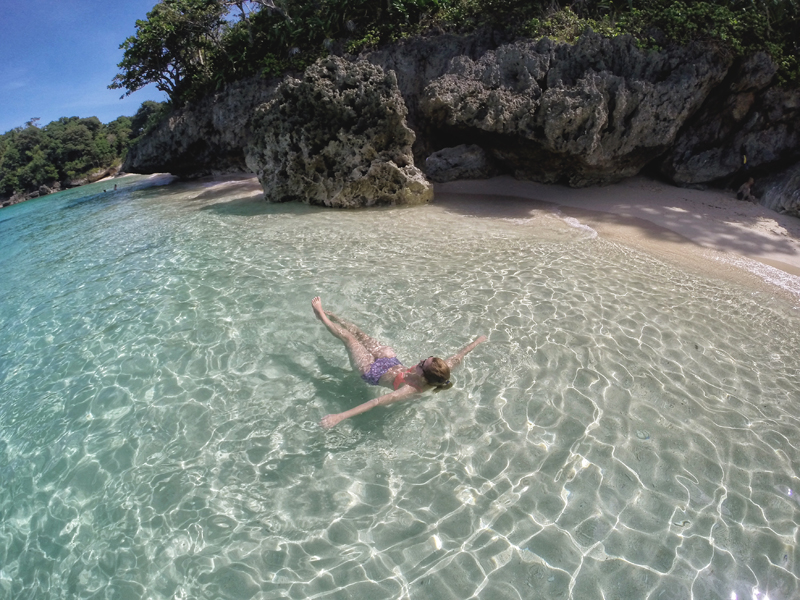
[(573, 222), (773, 275), (520, 221)]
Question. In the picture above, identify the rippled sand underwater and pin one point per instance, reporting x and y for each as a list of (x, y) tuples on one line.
[(629, 431)]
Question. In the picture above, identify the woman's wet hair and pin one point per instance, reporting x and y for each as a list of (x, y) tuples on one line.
[(437, 372)]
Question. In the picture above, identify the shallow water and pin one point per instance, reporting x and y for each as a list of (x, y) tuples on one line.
[(629, 431)]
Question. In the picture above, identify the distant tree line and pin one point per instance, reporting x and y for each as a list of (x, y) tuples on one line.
[(190, 47), (67, 150)]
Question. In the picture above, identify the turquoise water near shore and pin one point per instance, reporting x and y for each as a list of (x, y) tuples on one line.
[(628, 431)]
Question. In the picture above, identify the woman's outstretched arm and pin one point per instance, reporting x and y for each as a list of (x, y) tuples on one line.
[(456, 359), (403, 393)]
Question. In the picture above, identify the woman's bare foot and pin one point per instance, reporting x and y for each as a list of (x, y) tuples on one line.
[(316, 304)]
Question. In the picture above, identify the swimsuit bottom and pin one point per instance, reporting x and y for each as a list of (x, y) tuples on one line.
[(378, 368)]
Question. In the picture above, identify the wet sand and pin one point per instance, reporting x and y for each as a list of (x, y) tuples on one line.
[(704, 230)]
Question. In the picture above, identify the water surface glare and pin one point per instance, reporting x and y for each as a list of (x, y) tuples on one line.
[(629, 431)]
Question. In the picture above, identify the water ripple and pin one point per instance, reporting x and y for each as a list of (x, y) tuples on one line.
[(628, 431)]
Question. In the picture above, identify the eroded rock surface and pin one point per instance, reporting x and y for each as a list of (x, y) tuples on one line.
[(592, 113), (743, 118), (781, 192), (205, 137), (417, 61), (338, 137), (461, 162)]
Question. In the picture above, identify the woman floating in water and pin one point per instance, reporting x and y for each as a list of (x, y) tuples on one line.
[(378, 365)]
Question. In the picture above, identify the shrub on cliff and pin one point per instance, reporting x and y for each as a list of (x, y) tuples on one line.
[(189, 47)]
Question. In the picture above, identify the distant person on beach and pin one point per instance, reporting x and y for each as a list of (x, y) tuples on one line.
[(745, 192), (378, 365)]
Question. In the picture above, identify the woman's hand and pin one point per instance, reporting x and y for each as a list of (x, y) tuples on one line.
[(329, 421), (455, 360)]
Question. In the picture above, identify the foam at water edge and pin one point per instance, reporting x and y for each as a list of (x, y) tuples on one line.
[(772, 275), (573, 222)]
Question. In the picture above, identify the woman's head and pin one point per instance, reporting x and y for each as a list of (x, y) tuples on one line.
[(435, 371)]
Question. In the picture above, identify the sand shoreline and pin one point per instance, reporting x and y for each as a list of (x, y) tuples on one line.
[(712, 219), (705, 230)]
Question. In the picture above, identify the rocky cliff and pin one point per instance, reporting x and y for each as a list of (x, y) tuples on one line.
[(744, 124), (592, 113), (584, 114), (205, 137)]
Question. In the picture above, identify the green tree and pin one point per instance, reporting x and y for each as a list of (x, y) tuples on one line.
[(148, 115), (118, 134), (172, 48), (68, 148), (38, 171), (9, 165)]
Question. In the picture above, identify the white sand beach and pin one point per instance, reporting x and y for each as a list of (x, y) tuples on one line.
[(702, 229), (706, 230), (710, 218)]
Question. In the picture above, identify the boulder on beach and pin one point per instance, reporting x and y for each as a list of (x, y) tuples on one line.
[(337, 137), (461, 162)]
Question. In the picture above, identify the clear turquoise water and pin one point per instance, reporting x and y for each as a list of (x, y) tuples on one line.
[(629, 431)]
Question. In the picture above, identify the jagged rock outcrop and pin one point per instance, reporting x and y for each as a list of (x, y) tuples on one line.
[(338, 137), (416, 62), (592, 113), (743, 118), (204, 137), (781, 192), (461, 162)]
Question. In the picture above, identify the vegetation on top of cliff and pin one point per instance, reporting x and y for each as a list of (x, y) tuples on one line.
[(190, 47), (743, 27), (67, 150)]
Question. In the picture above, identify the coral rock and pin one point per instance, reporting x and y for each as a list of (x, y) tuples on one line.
[(338, 138)]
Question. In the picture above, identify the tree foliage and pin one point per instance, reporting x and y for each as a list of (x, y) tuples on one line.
[(172, 48), (67, 149), (187, 47)]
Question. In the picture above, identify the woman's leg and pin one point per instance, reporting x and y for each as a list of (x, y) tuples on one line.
[(377, 349), (359, 355)]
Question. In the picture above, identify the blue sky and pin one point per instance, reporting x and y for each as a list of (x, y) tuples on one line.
[(57, 58)]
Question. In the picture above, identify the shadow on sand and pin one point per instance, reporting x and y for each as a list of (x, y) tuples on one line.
[(699, 227)]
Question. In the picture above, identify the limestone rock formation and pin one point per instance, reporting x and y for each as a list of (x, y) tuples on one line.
[(205, 137), (742, 119), (349, 131), (417, 61), (781, 192), (338, 137), (592, 113), (461, 162)]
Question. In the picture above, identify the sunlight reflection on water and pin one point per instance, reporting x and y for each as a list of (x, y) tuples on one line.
[(628, 431)]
